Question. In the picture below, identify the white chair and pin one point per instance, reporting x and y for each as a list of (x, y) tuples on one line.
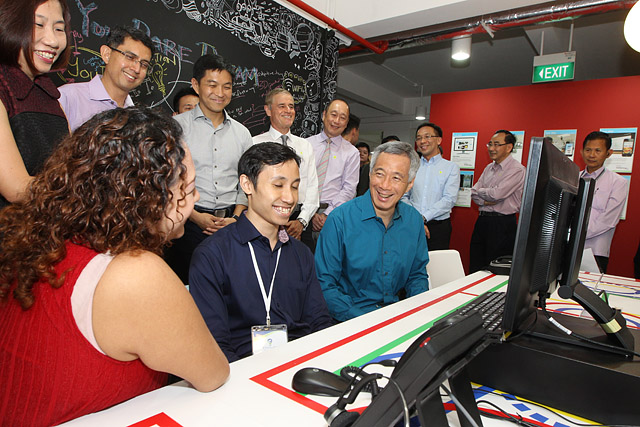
[(444, 266)]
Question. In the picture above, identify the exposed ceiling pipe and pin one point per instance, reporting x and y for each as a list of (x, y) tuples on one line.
[(376, 47), (503, 20)]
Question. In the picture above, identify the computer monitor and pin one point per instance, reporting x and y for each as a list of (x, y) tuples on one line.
[(552, 226)]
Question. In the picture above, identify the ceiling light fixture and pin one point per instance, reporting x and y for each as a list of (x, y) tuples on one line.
[(421, 110), (461, 48), (632, 27)]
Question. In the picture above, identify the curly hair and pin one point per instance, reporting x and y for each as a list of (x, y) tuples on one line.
[(106, 187)]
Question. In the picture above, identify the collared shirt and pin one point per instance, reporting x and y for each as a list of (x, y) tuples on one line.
[(435, 189), (308, 189), (502, 184), (362, 264), (224, 286), (215, 152), (607, 205), (343, 170), (81, 101)]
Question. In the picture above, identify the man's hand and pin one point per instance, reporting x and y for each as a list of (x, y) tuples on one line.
[(209, 223), (317, 221), (294, 228), (426, 231)]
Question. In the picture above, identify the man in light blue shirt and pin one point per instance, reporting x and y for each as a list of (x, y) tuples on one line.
[(436, 188), (373, 246)]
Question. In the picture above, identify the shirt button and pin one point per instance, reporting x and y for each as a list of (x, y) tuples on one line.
[(386, 272), (385, 252)]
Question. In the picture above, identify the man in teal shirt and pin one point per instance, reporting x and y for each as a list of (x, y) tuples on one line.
[(373, 246)]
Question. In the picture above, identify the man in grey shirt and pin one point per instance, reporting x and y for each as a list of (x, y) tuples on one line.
[(216, 142)]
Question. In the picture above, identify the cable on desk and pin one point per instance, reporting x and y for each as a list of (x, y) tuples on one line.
[(567, 331), (554, 412), (516, 419), (459, 406)]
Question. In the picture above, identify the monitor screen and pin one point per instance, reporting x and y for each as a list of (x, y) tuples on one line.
[(551, 188)]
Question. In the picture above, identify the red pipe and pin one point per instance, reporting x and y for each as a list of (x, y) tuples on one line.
[(555, 16), (344, 30)]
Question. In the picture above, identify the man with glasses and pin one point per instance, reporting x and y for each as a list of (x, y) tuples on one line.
[(436, 187), (498, 194), (126, 54)]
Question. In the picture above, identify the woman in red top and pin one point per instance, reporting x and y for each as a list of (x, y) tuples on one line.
[(34, 40), (91, 315)]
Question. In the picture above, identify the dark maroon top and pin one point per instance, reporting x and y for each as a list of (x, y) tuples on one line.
[(36, 119)]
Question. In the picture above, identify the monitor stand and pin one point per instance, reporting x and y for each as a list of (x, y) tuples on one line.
[(548, 368), (610, 320)]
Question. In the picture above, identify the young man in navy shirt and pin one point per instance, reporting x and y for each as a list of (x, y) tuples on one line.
[(250, 279)]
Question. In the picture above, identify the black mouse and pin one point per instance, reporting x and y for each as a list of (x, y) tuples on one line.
[(319, 382)]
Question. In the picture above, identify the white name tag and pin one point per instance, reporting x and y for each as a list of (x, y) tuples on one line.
[(265, 337)]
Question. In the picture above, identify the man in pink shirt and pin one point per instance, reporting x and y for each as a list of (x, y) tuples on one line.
[(498, 193)]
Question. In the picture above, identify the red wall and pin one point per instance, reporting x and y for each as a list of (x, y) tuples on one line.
[(585, 106)]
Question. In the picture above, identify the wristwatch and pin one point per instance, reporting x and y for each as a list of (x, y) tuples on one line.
[(303, 222), (236, 217)]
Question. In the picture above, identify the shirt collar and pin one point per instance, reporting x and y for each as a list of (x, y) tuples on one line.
[(432, 160), (197, 113), (98, 92), (366, 207), (273, 133), (504, 163), (247, 232), (596, 174), (23, 84), (335, 140)]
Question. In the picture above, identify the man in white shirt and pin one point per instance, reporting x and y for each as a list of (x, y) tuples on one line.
[(280, 108)]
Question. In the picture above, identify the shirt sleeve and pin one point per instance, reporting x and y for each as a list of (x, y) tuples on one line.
[(507, 184), (316, 313), (349, 183), (206, 279), (312, 197), (604, 219), (418, 280), (329, 256), (449, 195), (246, 143)]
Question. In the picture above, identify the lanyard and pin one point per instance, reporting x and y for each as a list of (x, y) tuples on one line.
[(266, 298)]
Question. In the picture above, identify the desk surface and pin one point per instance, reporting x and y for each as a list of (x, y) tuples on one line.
[(258, 392)]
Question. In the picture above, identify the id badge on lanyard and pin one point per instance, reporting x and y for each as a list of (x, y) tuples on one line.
[(265, 337)]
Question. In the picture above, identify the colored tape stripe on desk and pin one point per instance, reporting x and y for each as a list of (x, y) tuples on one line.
[(264, 378)]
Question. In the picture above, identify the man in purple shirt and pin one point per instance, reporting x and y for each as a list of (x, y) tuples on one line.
[(498, 194), (126, 55), (337, 163), (608, 198)]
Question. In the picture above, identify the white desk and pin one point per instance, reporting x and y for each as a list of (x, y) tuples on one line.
[(258, 392)]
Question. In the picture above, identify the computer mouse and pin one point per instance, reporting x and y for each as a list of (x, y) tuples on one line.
[(319, 382)]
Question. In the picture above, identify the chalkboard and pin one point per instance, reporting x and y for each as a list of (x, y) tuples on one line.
[(270, 45)]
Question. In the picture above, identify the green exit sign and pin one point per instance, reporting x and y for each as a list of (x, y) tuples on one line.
[(554, 67)]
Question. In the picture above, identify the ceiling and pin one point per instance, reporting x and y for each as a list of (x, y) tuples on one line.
[(388, 85)]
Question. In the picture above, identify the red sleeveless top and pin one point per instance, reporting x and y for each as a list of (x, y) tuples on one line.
[(49, 373)]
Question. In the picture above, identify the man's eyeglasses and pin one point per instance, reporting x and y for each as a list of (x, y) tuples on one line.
[(426, 137), (133, 58), (495, 144)]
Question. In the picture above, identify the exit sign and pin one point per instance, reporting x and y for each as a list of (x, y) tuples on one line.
[(554, 67)]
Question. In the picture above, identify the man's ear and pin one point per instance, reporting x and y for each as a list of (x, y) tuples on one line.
[(410, 186), (609, 153), (246, 184), (267, 110), (195, 86), (105, 53)]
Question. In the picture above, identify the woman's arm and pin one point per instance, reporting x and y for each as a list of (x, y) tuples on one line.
[(14, 177), (142, 310)]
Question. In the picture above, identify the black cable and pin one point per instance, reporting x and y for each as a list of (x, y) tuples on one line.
[(459, 406), (553, 411), (560, 327)]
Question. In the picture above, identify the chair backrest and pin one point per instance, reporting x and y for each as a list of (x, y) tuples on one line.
[(444, 266)]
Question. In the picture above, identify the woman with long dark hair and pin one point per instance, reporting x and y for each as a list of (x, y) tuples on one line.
[(34, 40), (91, 315)]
